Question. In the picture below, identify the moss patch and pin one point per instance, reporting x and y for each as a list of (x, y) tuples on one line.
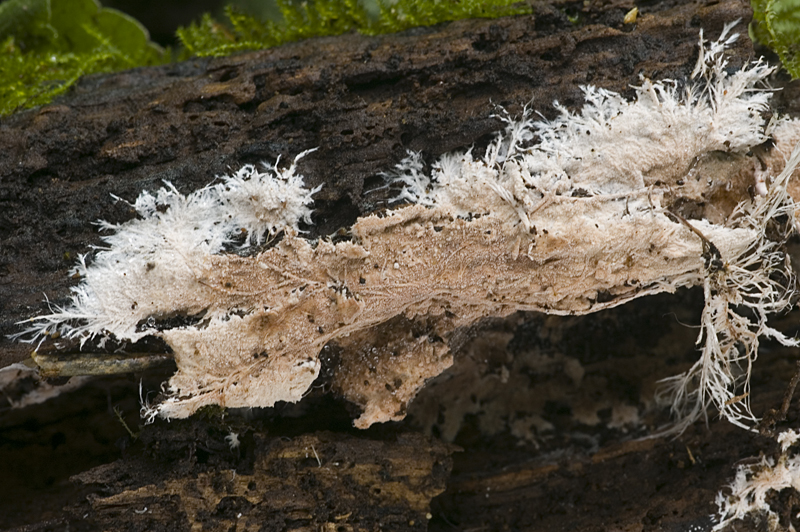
[(330, 17)]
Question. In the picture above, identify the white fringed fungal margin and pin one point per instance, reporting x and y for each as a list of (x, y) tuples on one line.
[(147, 268), (568, 216), (755, 481)]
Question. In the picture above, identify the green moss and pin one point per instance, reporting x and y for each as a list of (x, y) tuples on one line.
[(776, 23), (315, 18), (46, 45)]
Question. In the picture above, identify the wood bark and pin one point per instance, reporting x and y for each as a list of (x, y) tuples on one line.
[(363, 101)]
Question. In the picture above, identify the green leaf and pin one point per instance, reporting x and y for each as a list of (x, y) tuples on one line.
[(129, 36), (28, 21), (776, 23)]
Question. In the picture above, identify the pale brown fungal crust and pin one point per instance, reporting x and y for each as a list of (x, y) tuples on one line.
[(568, 216), (417, 263)]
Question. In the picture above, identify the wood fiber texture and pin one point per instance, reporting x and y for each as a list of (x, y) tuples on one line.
[(317, 481)]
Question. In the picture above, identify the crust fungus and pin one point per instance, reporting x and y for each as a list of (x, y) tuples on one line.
[(568, 216)]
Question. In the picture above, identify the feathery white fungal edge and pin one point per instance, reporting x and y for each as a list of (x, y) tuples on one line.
[(148, 267), (754, 481), (567, 209)]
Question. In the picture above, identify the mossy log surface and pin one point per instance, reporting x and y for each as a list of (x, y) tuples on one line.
[(363, 101)]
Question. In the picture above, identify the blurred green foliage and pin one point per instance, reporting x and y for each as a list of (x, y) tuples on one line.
[(776, 23), (315, 18), (45, 46)]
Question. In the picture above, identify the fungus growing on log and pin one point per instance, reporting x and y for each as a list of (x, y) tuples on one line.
[(568, 216)]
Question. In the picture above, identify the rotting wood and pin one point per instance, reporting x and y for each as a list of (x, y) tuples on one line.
[(362, 101), (71, 158), (319, 481)]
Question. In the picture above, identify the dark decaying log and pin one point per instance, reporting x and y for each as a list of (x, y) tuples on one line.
[(363, 102), (314, 482), (71, 464)]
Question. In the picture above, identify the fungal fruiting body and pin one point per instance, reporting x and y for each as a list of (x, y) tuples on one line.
[(567, 216)]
